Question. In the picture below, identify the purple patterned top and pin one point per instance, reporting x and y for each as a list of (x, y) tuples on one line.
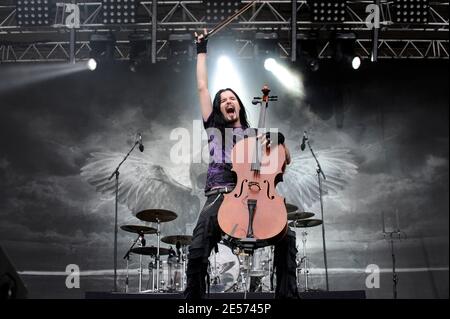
[(219, 170)]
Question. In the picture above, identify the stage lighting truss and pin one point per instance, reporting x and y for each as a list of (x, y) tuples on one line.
[(399, 40), (328, 11), (411, 11), (34, 12), (119, 11), (219, 10)]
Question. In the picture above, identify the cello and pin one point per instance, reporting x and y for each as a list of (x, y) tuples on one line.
[(254, 211)]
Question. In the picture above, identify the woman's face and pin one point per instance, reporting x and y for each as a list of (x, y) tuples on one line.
[(229, 106)]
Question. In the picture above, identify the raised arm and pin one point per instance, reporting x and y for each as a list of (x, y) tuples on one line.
[(202, 77)]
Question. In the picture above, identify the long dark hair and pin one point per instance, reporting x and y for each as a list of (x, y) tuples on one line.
[(219, 119)]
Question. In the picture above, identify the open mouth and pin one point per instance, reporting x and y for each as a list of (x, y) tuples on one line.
[(230, 110)]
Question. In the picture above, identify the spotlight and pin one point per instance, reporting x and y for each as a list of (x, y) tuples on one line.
[(270, 64), (218, 10), (92, 64), (314, 64), (181, 49), (356, 62), (328, 11), (119, 11), (411, 11), (102, 47), (140, 50), (307, 51), (34, 12), (344, 50)]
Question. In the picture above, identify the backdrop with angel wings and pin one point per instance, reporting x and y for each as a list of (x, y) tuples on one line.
[(380, 134)]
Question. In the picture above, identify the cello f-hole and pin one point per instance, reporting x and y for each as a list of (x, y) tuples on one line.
[(242, 187), (268, 190)]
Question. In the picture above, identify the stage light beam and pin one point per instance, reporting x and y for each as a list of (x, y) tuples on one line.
[(289, 79), (226, 76)]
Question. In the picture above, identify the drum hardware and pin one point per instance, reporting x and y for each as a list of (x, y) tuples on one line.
[(299, 215), (140, 230), (151, 251), (305, 223), (223, 269), (181, 243), (183, 240), (157, 216), (304, 260), (291, 208)]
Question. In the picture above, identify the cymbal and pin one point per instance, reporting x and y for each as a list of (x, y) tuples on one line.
[(138, 229), (150, 251), (155, 215), (299, 215), (184, 240), (291, 208), (305, 223)]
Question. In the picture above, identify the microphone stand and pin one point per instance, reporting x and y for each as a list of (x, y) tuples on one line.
[(391, 237), (116, 174), (320, 174)]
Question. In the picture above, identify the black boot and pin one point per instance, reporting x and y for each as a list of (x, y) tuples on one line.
[(285, 265), (196, 280)]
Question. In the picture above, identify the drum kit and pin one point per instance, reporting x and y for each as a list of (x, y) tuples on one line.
[(167, 275), (230, 272), (167, 267), (303, 220)]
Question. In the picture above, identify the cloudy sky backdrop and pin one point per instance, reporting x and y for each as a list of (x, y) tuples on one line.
[(390, 118)]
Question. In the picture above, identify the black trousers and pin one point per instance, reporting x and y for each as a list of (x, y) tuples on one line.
[(207, 234)]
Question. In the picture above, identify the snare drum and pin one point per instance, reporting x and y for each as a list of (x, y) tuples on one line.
[(223, 269)]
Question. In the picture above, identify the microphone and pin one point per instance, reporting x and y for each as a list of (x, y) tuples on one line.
[(305, 138), (256, 100), (141, 146)]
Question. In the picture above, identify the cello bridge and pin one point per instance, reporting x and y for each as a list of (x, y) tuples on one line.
[(253, 185)]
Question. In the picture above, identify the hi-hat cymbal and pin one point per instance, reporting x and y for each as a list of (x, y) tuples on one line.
[(138, 229), (155, 215), (305, 223), (184, 240), (291, 208), (150, 251), (299, 215)]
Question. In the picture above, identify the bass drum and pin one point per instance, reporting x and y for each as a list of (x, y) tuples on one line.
[(223, 269)]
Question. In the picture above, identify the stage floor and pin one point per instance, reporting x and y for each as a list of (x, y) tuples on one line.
[(355, 294)]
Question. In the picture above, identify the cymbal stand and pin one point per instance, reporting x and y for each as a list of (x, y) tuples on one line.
[(141, 241), (247, 247), (271, 267), (183, 259), (304, 260), (244, 260), (157, 257)]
